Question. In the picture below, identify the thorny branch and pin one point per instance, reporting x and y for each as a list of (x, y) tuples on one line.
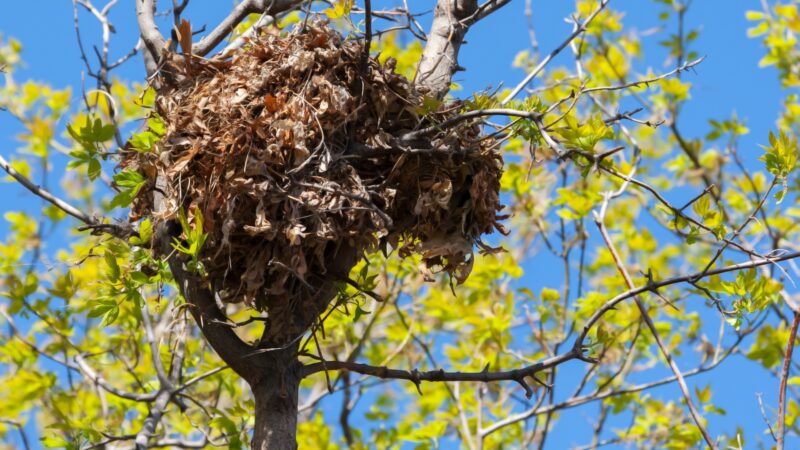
[(415, 376), (518, 375)]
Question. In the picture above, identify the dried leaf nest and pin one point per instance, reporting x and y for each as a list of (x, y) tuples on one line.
[(294, 146)]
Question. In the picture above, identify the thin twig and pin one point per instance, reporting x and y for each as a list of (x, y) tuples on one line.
[(21, 430), (40, 192), (682, 68), (787, 359), (764, 416), (580, 29), (698, 420)]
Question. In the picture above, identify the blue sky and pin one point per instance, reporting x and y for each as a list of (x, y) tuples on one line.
[(727, 81)]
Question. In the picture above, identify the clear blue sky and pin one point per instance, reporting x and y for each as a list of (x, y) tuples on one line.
[(728, 80)]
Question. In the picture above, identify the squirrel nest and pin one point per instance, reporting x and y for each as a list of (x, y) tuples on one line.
[(298, 144)]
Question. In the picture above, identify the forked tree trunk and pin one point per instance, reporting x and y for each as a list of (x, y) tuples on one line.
[(275, 380), (276, 395), (273, 375)]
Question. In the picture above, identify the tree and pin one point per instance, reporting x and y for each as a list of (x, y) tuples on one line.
[(373, 321)]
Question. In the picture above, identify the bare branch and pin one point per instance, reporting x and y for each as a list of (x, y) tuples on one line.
[(698, 420), (40, 192), (93, 223), (21, 430), (781, 433), (484, 11), (750, 218), (684, 67), (416, 376), (518, 375), (367, 33), (200, 377), (153, 418), (237, 43), (660, 198), (236, 16), (451, 21), (764, 416), (93, 376), (611, 304), (153, 39), (598, 395), (410, 136), (578, 30)]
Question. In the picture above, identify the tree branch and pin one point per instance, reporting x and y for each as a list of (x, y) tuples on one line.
[(204, 310), (682, 68), (598, 395), (90, 374), (698, 420), (451, 21), (153, 39), (518, 375), (453, 121), (787, 359), (80, 365), (440, 375), (236, 16), (578, 30), (91, 222), (153, 419), (21, 430), (44, 194)]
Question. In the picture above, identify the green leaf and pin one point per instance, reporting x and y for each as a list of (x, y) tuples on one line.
[(703, 395), (549, 295), (341, 8), (156, 125), (585, 136), (106, 308), (113, 271), (92, 132), (755, 15), (94, 169), (131, 182), (194, 240), (359, 312), (144, 142), (145, 233)]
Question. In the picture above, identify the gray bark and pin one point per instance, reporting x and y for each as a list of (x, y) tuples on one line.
[(440, 58), (451, 21)]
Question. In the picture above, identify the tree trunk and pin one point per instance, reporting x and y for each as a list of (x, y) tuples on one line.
[(276, 393), (440, 58)]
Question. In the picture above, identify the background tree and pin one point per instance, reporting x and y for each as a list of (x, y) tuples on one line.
[(677, 252)]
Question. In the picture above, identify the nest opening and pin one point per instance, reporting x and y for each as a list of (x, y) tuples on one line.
[(295, 146)]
